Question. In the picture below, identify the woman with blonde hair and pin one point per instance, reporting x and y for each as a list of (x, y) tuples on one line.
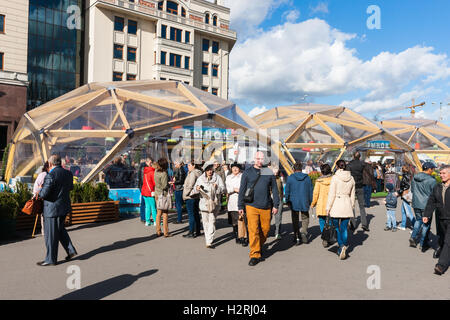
[(320, 197)]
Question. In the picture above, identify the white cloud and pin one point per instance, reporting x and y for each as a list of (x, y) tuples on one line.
[(290, 60), (257, 110), (291, 15), (321, 7)]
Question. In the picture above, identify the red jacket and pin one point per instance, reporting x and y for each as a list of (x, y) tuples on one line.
[(148, 184)]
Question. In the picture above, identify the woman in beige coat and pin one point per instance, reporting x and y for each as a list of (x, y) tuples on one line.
[(340, 204), (162, 189), (320, 197)]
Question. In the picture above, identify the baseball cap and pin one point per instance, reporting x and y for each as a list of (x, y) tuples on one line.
[(428, 165)]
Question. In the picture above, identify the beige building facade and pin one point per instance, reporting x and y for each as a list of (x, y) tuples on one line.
[(187, 41), (13, 66)]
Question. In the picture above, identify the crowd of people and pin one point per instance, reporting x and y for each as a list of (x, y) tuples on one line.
[(255, 194)]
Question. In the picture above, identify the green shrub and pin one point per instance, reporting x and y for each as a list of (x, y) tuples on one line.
[(22, 194), (88, 192), (314, 176), (8, 205)]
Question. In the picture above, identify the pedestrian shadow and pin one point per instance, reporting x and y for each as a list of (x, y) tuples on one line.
[(357, 239), (106, 288), (223, 239), (115, 246), (285, 243)]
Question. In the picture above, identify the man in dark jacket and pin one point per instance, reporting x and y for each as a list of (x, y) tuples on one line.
[(421, 187), (439, 200), (179, 175), (356, 167), (299, 194), (259, 210), (56, 194)]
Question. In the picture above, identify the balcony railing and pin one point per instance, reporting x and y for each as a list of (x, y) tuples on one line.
[(174, 70), (150, 7)]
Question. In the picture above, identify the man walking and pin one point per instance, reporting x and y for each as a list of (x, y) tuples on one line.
[(421, 187), (179, 176), (257, 182), (56, 194), (356, 168), (368, 182), (439, 200)]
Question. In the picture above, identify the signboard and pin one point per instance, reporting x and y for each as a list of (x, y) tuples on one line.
[(129, 199), (207, 133), (379, 144)]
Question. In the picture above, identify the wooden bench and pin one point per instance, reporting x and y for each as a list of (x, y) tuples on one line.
[(81, 213)]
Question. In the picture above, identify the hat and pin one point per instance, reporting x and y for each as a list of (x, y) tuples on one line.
[(428, 165), (390, 187), (207, 164), (235, 164)]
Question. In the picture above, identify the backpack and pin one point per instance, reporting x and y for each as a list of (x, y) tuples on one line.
[(391, 200)]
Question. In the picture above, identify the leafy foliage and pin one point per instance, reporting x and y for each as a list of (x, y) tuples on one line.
[(88, 192), (8, 205), (314, 175)]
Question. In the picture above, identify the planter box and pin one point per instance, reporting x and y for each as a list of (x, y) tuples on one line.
[(81, 213), (7, 228)]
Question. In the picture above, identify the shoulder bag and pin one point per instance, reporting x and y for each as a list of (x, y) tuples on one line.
[(249, 193), (33, 206)]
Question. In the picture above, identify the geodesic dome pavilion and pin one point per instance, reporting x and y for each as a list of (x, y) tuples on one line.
[(328, 132), (103, 120), (429, 137)]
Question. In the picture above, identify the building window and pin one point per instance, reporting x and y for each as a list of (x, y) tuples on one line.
[(215, 47), (163, 31), (186, 62), (119, 24), (187, 37), (207, 18), (205, 45), (117, 76), (175, 34), (215, 91), (131, 54), (118, 51), (160, 5), (164, 79), (205, 67), (131, 77), (132, 27), (2, 23), (1, 60), (172, 7), (215, 21), (183, 12), (175, 60), (215, 70), (187, 82), (163, 57), (205, 88)]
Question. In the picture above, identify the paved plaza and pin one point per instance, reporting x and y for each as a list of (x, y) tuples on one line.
[(125, 260)]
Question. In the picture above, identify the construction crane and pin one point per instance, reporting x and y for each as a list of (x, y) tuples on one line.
[(412, 107)]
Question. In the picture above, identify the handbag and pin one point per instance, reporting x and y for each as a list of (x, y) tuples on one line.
[(164, 202), (33, 206), (249, 193), (329, 233)]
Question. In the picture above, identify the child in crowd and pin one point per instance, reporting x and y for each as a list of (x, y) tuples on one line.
[(391, 205)]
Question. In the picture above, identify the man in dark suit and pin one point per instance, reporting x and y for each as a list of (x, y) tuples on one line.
[(56, 194)]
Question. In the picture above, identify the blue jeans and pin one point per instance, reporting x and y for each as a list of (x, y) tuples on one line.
[(322, 221), (391, 220), (179, 204), (194, 215), (367, 195), (379, 181), (418, 225), (341, 230), (407, 213), (142, 208)]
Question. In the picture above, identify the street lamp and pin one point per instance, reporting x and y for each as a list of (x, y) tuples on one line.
[(440, 110)]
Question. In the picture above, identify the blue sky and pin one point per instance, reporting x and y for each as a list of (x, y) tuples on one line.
[(323, 49)]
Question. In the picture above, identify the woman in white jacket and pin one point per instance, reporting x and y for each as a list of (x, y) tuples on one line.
[(210, 186), (340, 205), (233, 184)]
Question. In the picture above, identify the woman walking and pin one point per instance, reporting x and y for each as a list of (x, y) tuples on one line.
[(210, 186), (406, 195), (192, 200), (162, 190), (320, 197), (233, 183), (340, 205), (148, 193), (279, 215), (38, 186)]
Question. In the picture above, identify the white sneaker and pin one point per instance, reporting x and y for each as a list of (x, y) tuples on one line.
[(401, 228), (343, 254), (410, 231)]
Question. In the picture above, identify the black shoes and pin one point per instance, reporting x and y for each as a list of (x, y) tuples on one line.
[(438, 270), (45, 264), (253, 262), (437, 253), (188, 235), (365, 228), (70, 256), (244, 242), (239, 240), (211, 246), (412, 243), (304, 238), (297, 242)]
